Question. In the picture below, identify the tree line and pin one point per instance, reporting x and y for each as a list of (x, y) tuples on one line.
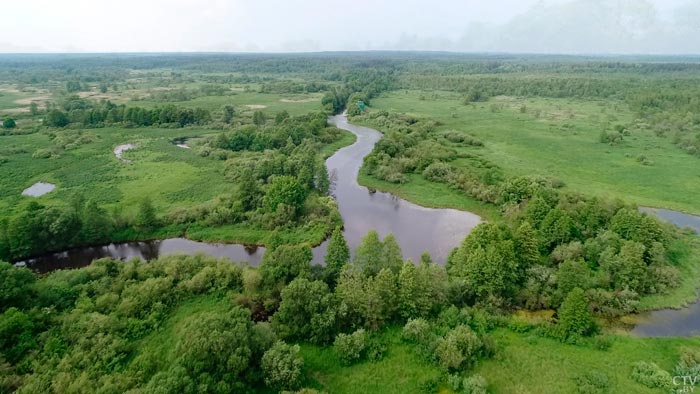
[(80, 112)]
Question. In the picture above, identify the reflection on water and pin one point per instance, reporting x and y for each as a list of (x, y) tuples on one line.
[(670, 323), (417, 229)]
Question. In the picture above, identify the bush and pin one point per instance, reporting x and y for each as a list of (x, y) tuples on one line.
[(603, 342), (417, 331), (458, 348), (475, 384), (592, 382), (650, 375), (689, 363), (282, 366), (462, 138), (9, 123), (645, 160), (612, 138), (42, 154), (438, 172), (350, 348), (375, 349)]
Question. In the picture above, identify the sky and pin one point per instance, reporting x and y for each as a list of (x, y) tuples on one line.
[(521, 26)]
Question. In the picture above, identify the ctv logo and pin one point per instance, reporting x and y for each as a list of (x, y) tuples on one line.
[(687, 382)]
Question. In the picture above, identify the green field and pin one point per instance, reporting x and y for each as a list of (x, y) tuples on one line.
[(560, 138), (158, 168)]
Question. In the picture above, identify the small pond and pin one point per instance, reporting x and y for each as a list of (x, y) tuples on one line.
[(120, 149), (38, 189)]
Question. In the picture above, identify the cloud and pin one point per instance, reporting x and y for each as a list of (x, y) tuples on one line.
[(579, 27), (541, 26)]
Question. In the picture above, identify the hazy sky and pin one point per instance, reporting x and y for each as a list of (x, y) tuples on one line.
[(542, 26)]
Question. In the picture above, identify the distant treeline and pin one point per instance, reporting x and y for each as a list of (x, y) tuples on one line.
[(106, 113)]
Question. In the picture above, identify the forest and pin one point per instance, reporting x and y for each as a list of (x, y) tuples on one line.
[(557, 154)]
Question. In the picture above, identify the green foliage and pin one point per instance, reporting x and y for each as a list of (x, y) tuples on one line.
[(592, 382), (56, 118), (639, 227), (417, 331), (216, 344), (458, 349), (259, 118), (229, 113), (285, 190), (307, 312), (9, 123), (146, 217), (282, 366), (475, 384), (373, 255), (350, 348), (15, 285), (557, 228), (486, 262), (285, 263), (574, 318), (16, 334), (650, 375), (337, 255)]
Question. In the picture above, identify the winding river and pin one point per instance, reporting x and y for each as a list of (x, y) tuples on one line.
[(417, 229)]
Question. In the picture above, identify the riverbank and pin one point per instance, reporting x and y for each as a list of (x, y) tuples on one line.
[(417, 228)]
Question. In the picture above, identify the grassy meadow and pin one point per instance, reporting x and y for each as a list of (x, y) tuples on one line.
[(560, 138)]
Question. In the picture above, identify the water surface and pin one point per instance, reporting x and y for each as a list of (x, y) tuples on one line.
[(38, 189), (120, 149), (677, 218), (417, 229), (684, 322)]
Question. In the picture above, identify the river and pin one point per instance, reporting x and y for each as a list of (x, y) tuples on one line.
[(416, 228), (684, 322)]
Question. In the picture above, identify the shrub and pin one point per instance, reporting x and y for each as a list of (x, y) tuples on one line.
[(375, 349), (462, 138), (429, 386), (689, 363), (282, 366), (475, 384), (41, 154), (650, 375), (458, 348), (350, 348), (592, 382), (603, 342), (417, 331), (438, 172), (9, 123), (645, 160), (612, 138)]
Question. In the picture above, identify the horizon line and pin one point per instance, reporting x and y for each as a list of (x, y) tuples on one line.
[(365, 51)]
